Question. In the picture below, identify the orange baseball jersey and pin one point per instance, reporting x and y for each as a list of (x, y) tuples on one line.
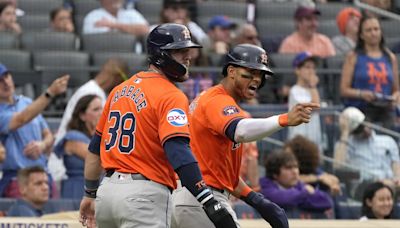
[(219, 158), (139, 116)]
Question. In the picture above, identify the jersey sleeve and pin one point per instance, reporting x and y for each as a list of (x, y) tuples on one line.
[(221, 111), (172, 112)]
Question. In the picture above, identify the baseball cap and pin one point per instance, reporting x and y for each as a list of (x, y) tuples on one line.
[(3, 70), (222, 21), (302, 57), (305, 11), (354, 116), (343, 17)]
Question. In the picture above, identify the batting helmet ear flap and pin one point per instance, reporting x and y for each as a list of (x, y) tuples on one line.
[(161, 40)]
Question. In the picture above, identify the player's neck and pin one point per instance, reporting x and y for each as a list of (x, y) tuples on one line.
[(230, 89)]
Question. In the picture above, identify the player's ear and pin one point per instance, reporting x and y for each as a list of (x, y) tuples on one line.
[(231, 71)]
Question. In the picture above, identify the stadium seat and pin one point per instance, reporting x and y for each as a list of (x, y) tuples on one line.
[(82, 7), (49, 41), (133, 60), (228, 8), (275, 10), (8, 40), (150, 9), (275, 27), (43, 7), (53, 64), (330, 10), (34, 22), (114, 42), (328, 28), (16, 60), (390, 28)]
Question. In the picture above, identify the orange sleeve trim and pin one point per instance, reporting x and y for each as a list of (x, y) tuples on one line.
[(174, 135), (246, 190), (283, 120)]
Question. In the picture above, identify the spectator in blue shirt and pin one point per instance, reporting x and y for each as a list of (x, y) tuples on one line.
[(73, 147), (283, 186), (34, 187), (23, 130)]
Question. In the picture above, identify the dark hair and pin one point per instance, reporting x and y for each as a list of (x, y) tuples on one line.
[(306, 152), (76, 123), (23, 174), (360, 46), (4, 5), (369, 193), (174, 4), (276, 160), (56, 11)]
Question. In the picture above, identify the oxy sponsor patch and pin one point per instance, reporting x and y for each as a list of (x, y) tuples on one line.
[(230, 110), (177, 117)]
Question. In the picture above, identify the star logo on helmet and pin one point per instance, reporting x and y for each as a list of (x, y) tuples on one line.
[(186, 33), (264, 58)]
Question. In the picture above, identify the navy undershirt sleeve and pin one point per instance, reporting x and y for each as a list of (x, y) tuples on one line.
[(230, 130)]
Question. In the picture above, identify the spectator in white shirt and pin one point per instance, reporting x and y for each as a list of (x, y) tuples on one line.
[(111, 17)]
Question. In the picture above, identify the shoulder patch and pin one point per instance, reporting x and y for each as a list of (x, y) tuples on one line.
[(230, 110), (177, 117)]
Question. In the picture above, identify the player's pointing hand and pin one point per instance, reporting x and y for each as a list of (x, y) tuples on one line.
[(301, 113)]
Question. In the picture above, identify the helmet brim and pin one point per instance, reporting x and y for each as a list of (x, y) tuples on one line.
[(180, 45), (256, 66)]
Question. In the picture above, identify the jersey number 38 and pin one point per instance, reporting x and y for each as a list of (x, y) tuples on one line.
[(121, 132)]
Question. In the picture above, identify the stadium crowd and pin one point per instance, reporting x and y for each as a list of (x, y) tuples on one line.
[(61, 58)]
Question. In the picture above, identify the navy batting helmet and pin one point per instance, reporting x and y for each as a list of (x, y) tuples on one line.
[(249, 56), (165, 37)]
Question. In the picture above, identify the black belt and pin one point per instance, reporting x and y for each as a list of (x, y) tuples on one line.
[(135, 176)]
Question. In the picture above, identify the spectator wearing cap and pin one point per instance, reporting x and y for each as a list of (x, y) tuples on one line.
[(177, 11), (247, 34), (306, 38), (305, 90), (111, 17), (348, 21), (23, 130), (219, 34), (376, 156), (61, 20), (8, 18)]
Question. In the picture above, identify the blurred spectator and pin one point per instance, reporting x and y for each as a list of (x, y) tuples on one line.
[(348, 22), (34, 188), (306, 37), (198, 81), (23, 130), (177, 11), (283, 186), (219, 35), (73, 147), (61, 20), (370, 76), (2, 153), (381, 4), (305, 90), (111, 17), (377, 202), (375, 156), (308, 157), (19, 12), (112, 73), (247, 34), (8, 18)]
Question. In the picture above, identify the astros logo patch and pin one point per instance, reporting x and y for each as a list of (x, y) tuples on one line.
[(230, 110), (177, 117)]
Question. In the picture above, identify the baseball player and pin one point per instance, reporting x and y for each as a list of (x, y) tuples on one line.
[(143, 139), (218, 126)]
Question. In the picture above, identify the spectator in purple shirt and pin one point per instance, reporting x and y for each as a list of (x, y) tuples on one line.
[(283, 186)]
